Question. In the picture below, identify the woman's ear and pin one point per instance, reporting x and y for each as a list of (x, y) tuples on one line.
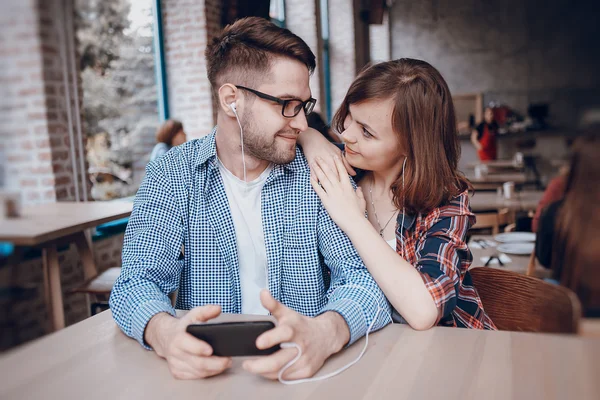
[(228, 95)]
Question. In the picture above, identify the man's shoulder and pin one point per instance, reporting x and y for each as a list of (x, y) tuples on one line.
[(183, 158), (299, 163)]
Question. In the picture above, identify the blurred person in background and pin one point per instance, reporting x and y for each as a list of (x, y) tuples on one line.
[(484, 137), (568, 237), (168, 135), (553, 193)]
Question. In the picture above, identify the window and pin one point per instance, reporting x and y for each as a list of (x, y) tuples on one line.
[(120, 115), (277, 12)]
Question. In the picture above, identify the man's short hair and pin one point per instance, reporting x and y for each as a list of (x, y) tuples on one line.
[(242, 54)]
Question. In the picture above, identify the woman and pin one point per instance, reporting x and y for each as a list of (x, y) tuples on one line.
[(568, 239), (168, 135), (398, 126), (484, 136)]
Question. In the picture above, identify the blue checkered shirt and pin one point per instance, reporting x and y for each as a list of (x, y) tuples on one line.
[(312, 265)]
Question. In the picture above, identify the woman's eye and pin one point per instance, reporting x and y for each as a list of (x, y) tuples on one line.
[(366, 133)]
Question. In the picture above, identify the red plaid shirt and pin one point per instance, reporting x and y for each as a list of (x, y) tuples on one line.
[(436, 245)]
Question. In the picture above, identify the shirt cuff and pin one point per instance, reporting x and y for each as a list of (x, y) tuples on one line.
[(143, 314), (353, 314)]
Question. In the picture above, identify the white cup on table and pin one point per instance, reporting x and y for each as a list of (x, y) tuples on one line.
[(509, 190)]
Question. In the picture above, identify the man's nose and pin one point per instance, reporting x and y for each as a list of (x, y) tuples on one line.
[(299, 122)]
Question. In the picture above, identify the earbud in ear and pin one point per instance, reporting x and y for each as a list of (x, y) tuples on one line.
[(232, 106)]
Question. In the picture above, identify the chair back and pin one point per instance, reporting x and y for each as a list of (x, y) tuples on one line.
[(516, 302), (486, 221)]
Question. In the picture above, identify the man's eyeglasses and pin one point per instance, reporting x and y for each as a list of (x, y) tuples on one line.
[(289, 108)]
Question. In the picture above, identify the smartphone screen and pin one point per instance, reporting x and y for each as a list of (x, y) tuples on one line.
[(233, 339)]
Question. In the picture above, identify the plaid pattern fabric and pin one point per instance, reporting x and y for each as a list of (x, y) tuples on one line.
[(312, 265), (435, 244)]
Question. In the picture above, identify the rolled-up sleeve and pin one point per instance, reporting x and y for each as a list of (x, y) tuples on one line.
[(353, 292), (439, 260), (151, 265)]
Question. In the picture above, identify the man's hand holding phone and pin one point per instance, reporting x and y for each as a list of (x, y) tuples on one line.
[(318, 337), (188, 357), (177, 340)]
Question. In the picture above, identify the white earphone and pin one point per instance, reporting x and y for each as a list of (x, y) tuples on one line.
[(403, 210), (234, 109), (287, 345)]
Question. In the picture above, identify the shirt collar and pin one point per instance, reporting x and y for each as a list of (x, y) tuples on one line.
[(409, 220)]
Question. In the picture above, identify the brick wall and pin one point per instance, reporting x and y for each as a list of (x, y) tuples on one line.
[(187, 27), (213, 10), (301, 19), (36, 151), (513, 51), (516, 50), (342, 49), (62, 99), (24, 123), (34, 130)]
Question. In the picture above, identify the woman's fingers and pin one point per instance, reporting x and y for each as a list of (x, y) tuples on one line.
[(314, 181), (341, 170), (329, 167), (322, 177)]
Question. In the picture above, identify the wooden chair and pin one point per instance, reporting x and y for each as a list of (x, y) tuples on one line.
[(99, 287), (507, 219), (516, 302), (532, 264), (487, 221)]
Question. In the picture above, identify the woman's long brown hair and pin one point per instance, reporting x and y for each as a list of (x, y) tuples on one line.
[(576, 250), (424, 120)]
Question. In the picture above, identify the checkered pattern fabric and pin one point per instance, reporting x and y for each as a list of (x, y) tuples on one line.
[(436, 245), (312, 265)]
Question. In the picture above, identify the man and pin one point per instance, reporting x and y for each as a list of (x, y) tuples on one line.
[(248, 220)]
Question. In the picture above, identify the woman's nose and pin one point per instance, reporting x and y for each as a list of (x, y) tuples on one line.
[(349, 135)]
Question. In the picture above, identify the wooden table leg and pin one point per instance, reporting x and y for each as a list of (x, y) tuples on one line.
[(53, 287), (531, 265), (84, 247)]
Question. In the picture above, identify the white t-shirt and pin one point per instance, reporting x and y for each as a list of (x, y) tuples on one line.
[(246, 205)]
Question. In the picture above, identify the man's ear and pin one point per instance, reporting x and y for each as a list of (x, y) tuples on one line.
[(228, 94)]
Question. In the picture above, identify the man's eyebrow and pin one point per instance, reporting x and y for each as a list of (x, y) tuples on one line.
[(292, 96)]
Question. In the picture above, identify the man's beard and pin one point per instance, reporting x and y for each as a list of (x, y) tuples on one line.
[(264, 147)]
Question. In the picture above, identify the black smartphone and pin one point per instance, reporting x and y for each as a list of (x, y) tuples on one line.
[(232, 339)]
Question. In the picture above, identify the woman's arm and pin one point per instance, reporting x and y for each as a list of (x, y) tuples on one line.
[(400, 281), (402, 284), (316, 145)]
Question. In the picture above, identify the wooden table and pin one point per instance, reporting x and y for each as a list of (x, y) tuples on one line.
[(516, 177), (521, 201), (94, 360), (517, 264), (493, 181), (53, 224), (500, 164)]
